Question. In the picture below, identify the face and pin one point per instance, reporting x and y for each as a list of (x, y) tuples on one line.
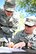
[(29, 29), (9, 13)]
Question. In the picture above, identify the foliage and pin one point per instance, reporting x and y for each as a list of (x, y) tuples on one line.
[(29, 5)]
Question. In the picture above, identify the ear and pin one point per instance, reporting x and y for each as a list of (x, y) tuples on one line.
[(34, 31)]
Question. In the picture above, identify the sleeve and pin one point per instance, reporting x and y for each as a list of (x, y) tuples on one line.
[(16, 38), (13, 23), (34, 43)]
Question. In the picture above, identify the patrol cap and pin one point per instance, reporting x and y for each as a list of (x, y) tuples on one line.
[(9, 6), (11, 1), (30, 21)]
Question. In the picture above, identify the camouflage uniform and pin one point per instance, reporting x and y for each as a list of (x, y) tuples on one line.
[(7, 27), (22, 36)]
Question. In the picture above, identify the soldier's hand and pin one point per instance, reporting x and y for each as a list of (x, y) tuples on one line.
[(30, 44), (10, 44), (19, 45)]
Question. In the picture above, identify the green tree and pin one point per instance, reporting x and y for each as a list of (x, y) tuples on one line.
[(29, 5)]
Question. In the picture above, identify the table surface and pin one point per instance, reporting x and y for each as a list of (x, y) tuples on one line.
[(10, 50)]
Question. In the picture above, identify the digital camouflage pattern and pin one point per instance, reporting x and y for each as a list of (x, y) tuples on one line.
[(6, 26), (11, 1), (22, 36)]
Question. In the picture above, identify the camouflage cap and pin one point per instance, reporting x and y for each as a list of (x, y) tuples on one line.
[(30, 21), (9, 6), (11, 1)]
